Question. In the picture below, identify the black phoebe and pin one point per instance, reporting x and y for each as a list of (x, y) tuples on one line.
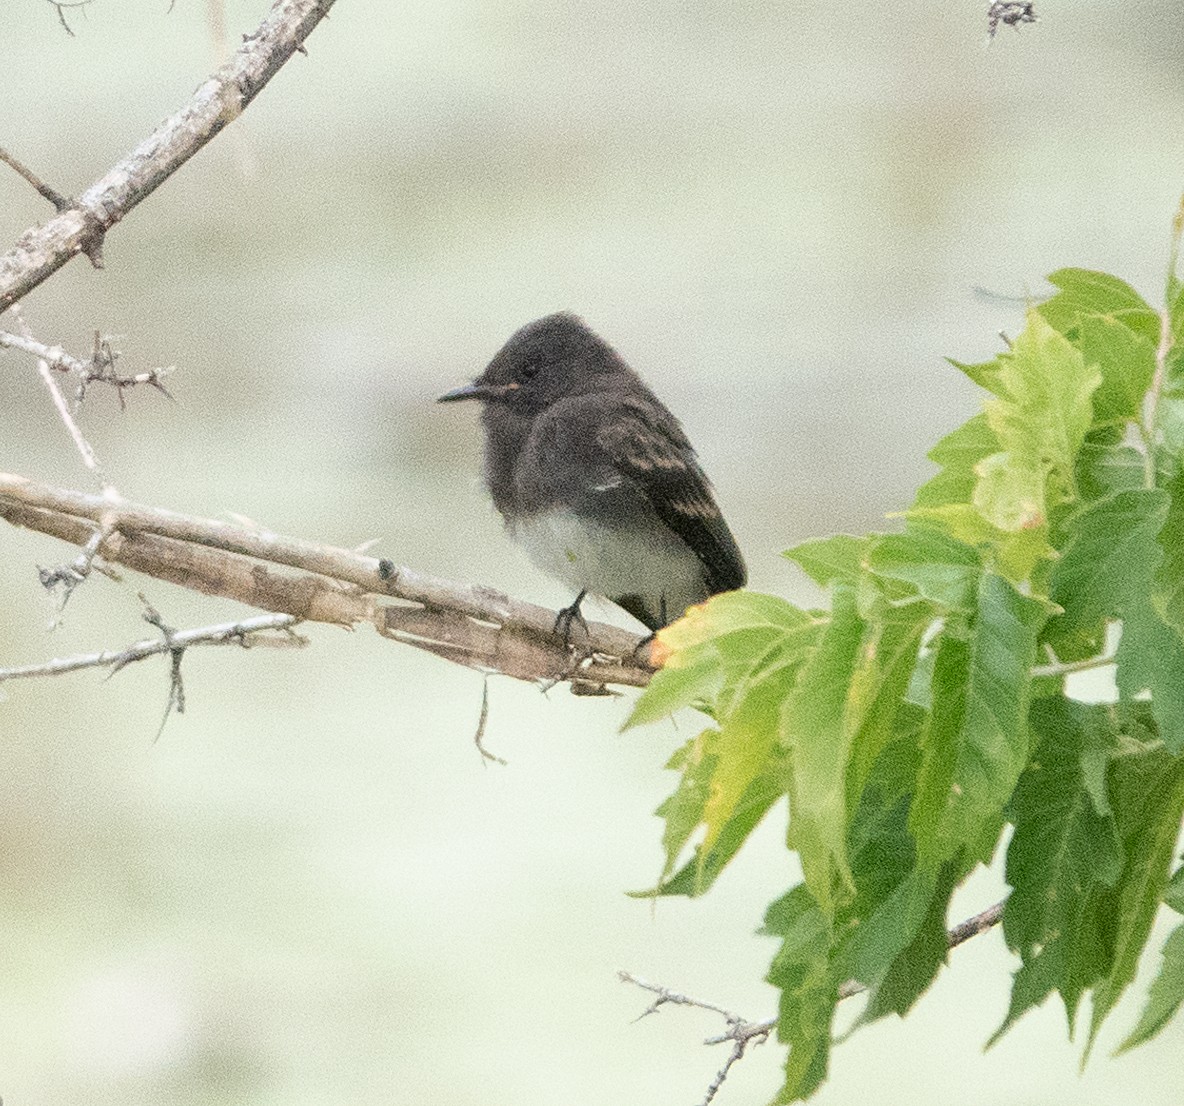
[(595, 477)]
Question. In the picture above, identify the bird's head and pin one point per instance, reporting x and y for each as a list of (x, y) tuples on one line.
[(546, 360)]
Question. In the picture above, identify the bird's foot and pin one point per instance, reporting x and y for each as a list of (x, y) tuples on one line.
[(569, 616)]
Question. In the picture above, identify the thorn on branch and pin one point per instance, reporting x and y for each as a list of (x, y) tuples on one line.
[(176, 697), (69, 576), (60, 202), (1009, 14)]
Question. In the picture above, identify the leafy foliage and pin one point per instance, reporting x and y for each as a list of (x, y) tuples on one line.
[(931, 706)]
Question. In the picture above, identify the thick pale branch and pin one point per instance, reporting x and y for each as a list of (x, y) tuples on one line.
[(221, 98), (474, 626)]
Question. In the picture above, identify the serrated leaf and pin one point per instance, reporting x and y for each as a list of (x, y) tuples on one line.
[(1173, 896), (1106, 569), (941, 569), (834, 560), (1150, 659), (1165, 996), (1167, 593), (814, 730), (718, 648), (983, 373), (876, 713), (1085, 292), (1040, 418), (672, 688), (1126, 360), (1104, 466), (1063, 848), (1147, 793), (804, 974), (977, 741), (699, 873), (958, 454)]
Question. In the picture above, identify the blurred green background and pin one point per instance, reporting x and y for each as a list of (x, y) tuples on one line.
[(311, 889)]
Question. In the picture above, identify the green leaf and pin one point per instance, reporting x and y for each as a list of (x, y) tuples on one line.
[(718, 648), (939, 568), (983, 373), (876, 713), (697, 678), (803, 971), (1085, 292), (1174, 895), (1040, 418), (1104, 466), (1167, 594), (1166, 995), (1126, 360), (834, 560), (1106, 569), (699, 873), (1147, 793), (958, 454), (1064, 847), (814, 730), (977, 741)]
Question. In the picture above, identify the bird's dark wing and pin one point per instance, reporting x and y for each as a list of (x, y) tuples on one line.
[(647, 446)]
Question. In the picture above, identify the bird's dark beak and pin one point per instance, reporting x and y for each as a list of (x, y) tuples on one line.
[(476, 390)]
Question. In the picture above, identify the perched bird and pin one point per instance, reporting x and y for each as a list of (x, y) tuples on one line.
[(596, 479)]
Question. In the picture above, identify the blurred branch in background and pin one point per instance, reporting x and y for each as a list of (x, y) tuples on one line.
[(42, 250), (467, 624)]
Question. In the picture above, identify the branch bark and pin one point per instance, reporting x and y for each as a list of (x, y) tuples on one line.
[(221, 99), (467, 624)]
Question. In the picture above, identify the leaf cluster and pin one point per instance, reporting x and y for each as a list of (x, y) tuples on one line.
[(931, 707)]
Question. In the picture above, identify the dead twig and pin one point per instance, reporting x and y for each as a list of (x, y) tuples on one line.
[(52, 195), (99, 368), (89, 459), (741, 1032), (246, 632)]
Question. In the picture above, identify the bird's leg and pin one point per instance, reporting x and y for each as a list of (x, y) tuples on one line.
[(569, 615)]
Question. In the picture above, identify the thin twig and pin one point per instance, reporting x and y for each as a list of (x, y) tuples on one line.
[(99, 369), (246, 632), (60, 202), (479, 736), (741, 1032), (89, 459)]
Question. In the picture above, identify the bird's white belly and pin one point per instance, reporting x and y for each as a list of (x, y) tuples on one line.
[(614, 561)]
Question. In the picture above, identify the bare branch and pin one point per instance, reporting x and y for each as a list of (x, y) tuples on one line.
[(98, 369), (42, 250), (52, 195), (80, 443), (246, 632), (467, 624), (741, 1032)]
